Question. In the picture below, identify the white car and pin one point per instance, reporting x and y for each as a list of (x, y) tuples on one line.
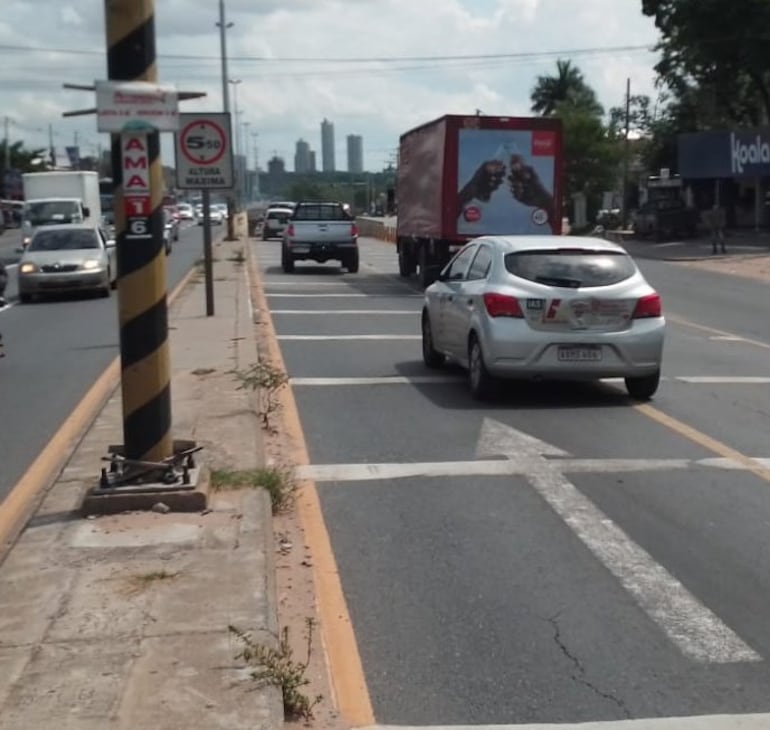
[(186, 212), (545, 307), (217, 219)]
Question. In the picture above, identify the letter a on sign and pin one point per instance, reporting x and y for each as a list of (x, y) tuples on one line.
[(134, 143), (135, 182)]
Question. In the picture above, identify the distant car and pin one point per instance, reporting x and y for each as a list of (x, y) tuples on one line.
[(222, 208), (62, 258), (171, 221), (186, 212), (275, 222), (544, 307), (215, 215)]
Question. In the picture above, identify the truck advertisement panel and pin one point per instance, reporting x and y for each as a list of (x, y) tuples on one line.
[(506, 182)]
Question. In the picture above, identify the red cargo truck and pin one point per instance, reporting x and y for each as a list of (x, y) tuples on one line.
[(460, 177)]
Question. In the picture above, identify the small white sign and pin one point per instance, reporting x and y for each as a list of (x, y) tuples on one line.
[(204, 159), (123, 106)]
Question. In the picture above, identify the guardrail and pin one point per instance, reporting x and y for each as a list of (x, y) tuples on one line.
[(383, 229)]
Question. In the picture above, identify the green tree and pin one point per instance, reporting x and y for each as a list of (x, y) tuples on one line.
[(567, 87), (22, 158), (720, 48), (591, 154)]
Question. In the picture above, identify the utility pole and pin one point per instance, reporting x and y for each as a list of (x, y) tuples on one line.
[(223, 26), (626, 155), (238, 188), (246, 186), (254, 136), (142, 306), (7, 137), (51, 148)]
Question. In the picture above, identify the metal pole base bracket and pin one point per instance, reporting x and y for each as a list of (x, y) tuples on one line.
[(178, 483)]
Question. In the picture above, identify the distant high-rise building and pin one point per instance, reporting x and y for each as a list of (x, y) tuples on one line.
[(327, 146), (276, 166), (313, 167), (355, 153), (302, 156)]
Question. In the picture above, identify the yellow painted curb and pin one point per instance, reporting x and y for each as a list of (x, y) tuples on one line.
[(28, 492)]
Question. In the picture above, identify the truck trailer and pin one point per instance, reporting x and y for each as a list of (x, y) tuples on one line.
[(460, 177)]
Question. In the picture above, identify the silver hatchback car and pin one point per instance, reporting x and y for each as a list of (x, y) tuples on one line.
[(543, 307)]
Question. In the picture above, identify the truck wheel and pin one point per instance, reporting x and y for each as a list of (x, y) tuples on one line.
[(405, 262), (287, 262), (351, 263), (426, 275)]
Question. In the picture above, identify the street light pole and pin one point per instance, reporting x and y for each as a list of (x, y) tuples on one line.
[(236, 125), (223, 26)]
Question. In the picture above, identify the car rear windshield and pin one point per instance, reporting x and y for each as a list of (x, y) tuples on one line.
[(276, 215), (64, 241), (571, 268), (321, 213)]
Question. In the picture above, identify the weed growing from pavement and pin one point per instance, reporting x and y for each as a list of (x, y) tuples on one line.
[(279, 483), (277, 667), (266, 380), (238, 257)]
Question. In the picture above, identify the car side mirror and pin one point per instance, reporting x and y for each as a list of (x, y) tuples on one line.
[(20, 250), (443, 276)]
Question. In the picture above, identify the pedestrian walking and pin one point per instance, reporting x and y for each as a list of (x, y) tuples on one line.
[(717, 228)]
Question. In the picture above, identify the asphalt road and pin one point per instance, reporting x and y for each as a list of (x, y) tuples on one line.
[(557, 584), (55, 350)]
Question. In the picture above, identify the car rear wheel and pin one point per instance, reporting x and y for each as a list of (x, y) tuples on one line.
[(25, 298), (405, 263), (287, 262), (351, 263), (644, 387), (432, 358), (482, 384)]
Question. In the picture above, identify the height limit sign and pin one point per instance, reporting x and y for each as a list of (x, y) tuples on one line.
[(204, 153)]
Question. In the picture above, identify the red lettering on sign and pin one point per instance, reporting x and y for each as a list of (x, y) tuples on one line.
[(134, 143), (136, 182), (138, 163)]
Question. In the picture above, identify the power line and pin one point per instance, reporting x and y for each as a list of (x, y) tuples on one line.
[(603, 50)]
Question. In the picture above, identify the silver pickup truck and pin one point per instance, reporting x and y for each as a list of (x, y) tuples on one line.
[(320, 232)]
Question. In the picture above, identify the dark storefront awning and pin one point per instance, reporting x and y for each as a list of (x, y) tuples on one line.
[(741, 153)]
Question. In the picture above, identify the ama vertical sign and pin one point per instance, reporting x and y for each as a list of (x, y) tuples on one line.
[(136, 185)]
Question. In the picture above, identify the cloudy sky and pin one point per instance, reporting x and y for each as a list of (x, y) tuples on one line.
[(373, 67)]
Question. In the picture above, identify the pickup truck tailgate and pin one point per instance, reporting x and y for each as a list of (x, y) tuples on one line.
[(322, 231)]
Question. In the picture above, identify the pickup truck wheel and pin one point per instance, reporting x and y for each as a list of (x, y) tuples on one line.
[(432, 358), (351, 263), (287, 262)]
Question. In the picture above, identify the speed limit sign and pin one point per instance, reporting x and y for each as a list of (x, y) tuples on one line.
[(204, 152)]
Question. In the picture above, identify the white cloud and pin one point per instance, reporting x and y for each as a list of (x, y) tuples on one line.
[(285, 100)]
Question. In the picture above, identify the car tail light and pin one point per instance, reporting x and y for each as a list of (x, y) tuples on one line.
[(354, 230), (502, 305), (290, 230), (648, 306)]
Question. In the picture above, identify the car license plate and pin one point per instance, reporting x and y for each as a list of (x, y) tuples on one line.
[(301, 249), (570, 353)]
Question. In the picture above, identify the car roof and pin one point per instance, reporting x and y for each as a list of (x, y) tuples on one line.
[(513, 244), (66, 227)]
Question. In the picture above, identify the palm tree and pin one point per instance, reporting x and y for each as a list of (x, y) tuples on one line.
[(567, 87)]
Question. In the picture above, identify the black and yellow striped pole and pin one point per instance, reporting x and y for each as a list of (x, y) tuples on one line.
[(143, 314)]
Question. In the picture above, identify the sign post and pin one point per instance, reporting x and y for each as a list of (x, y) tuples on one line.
[(204, 162)]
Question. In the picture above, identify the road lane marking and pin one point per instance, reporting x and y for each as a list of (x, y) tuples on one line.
[(351, 338), (411, 312), (386, 380), (724, 379), (358, 295), (714, 331), (28, 492), (726, 338), (689, 624), (343, 660)]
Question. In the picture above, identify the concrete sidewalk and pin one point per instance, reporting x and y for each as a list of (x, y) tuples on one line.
[(738, 243), (122, 621)]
